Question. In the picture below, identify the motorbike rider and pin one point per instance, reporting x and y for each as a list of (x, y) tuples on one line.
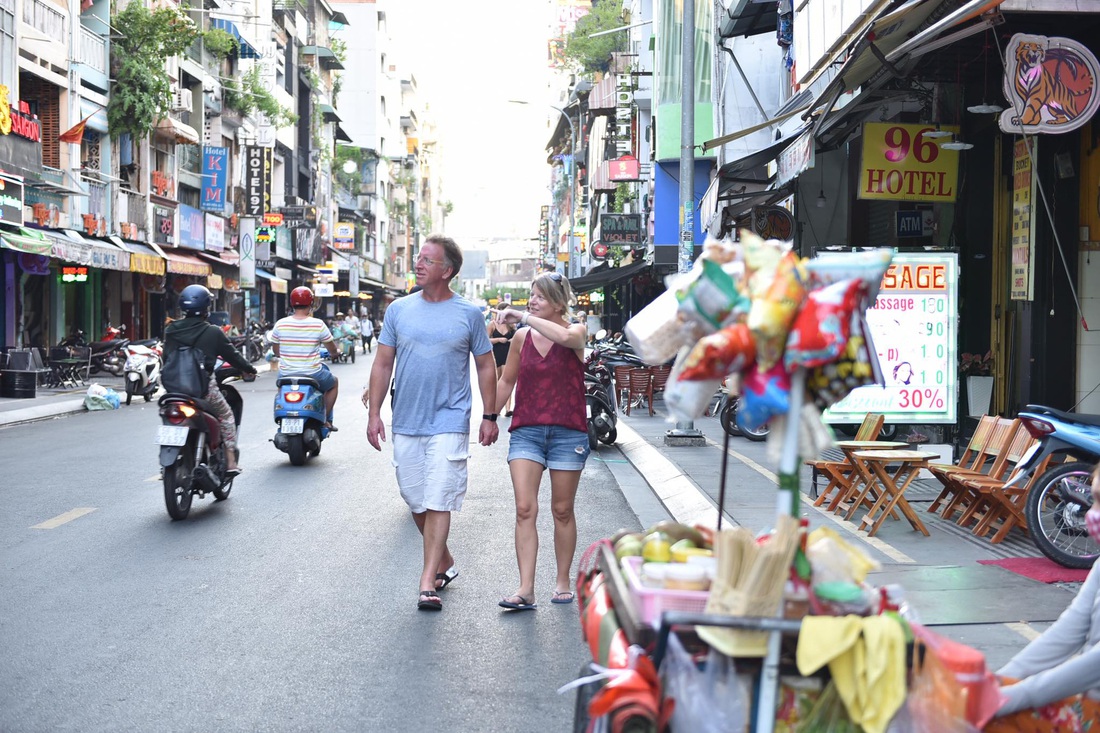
[(296, 342), (193, 330)]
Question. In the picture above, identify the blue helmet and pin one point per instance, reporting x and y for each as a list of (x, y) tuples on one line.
[(195, 300)]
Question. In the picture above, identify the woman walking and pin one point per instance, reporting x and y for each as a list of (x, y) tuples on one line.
[(546, 367), (500, 334)]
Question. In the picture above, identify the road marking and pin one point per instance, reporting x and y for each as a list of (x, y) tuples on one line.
[(64, 518), (885, 548), (1024, 630)]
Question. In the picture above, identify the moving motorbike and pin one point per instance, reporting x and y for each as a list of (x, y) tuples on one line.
[(1058, 500), (142, 370), (300, 415), (599, 398), (192, 454)]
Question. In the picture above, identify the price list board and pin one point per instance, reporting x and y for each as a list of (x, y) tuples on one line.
[(913, 324)]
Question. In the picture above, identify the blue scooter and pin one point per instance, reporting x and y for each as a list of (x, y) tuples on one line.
[(300, 415), (1059, 499)]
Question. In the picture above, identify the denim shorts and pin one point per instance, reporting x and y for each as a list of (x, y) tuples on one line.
[(324, 378), (557, 448)]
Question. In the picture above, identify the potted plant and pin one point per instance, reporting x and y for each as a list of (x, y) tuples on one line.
[(978, 370), (915, 439)]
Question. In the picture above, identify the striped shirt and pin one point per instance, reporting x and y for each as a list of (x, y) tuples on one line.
[(299, 341)]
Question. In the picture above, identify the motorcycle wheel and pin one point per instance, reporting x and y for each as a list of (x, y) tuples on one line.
[(130, 394), (593, 438), (177, 498), (728, 418), (296, 449), (222, 492), (1058, 526), (611, 437)]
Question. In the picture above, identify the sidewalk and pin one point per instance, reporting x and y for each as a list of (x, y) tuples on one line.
[(985, 606)]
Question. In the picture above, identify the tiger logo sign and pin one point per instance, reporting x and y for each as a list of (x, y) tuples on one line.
[(1050, 85)]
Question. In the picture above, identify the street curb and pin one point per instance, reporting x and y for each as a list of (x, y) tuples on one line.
[(679, 495), (48, 411)]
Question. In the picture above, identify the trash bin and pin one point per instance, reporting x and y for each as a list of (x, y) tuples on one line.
[(15, 383)]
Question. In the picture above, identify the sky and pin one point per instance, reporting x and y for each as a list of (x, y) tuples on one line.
[(470, 60)]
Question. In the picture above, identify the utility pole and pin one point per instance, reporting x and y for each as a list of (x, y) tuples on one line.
[(685, 434)]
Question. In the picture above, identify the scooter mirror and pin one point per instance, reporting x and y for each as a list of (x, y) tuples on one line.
[(601, 334)]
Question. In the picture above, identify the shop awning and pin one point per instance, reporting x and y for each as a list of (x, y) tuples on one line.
[(338, 19), (748, 18), (342, 136), (142, 259), (71, 247), (227, 258), (328, 113), (246, 50), (324, 55), (187, 265), (29, 241), (759, 157), (603, 275), (709, 144), (173, 129), (278, 285)]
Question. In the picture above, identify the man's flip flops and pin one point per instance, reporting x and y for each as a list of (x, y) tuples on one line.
[(522, 605), (447, 577), (562, 597)]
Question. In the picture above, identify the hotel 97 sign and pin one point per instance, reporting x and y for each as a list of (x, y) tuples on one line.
[(901, 164)]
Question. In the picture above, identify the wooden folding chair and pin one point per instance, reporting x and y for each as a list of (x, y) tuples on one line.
[(970, 460), (1000, 437), (979, 489), (840, 473), (641, 388)]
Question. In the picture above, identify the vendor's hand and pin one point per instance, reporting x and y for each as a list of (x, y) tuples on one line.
[(366, 397)]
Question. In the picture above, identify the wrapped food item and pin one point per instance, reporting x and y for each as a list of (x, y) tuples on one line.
[(764, 394), (721, 251), (710, 297), (721, 353), (857, 367), (820, 330), (658, 331), (868, 267), (771, 315), (762, 257), (687, 399), (814, 435)]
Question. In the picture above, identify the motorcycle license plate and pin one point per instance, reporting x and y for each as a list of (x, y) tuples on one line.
[(171, 435), (292, 426)]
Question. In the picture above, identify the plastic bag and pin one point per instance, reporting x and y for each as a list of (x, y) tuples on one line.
[(773, 313), (687, 399), (828, 715), (821, 329), (721, 353), (101, 398), (711, 297), (707, 700), (657, 331)]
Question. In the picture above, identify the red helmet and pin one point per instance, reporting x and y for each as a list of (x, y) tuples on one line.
[(302, 296)]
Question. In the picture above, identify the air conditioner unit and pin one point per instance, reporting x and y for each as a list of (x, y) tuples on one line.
[(181, 100)]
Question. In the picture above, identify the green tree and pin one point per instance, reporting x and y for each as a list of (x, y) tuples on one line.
[(594, 54)]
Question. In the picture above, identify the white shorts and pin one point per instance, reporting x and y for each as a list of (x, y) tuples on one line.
[(431, 470)]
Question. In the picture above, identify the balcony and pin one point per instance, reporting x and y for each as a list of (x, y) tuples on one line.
[(42, 17), (131, 208), (92, 50)]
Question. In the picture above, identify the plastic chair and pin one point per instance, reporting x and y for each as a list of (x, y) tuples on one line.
[(622, 383), (641, 388), (660, 378)]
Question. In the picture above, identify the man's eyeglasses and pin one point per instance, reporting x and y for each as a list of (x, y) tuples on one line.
[(429, 261)]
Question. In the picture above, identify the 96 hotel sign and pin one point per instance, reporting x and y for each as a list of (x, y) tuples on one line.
[(901, 163)]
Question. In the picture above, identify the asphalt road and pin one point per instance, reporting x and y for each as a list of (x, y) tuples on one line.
[(290, 606)]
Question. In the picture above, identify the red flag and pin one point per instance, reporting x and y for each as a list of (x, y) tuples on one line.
[(76, 133)]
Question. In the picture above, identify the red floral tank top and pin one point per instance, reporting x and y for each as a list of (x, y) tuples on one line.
[(550, 389)]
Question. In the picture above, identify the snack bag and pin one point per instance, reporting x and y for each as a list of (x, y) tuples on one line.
[(721, 353), (820, 330), (771, 315), (857, 367), (709, 298), (868, 267), (762, 257), (764, 393), (687, 399), (658, 331)]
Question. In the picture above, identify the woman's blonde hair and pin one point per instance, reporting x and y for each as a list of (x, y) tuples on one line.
[(555, 287)]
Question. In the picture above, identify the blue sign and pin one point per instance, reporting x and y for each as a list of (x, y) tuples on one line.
[(192, 232), (215, 162), (910, 224)]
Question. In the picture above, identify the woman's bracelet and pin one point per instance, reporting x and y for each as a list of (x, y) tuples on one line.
[(524, 317)]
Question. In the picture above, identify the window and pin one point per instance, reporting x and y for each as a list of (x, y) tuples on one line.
[(7, 44)]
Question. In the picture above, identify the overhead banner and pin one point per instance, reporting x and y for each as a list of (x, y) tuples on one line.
[(913, 327), (1050, 84), (246, 228), (901, 164)]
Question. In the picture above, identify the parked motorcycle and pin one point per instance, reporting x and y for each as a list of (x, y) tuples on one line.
[(142, 370), (727, 416), (108, 354), (192, 454), (600, 404), (1058, 500), (300, 415)]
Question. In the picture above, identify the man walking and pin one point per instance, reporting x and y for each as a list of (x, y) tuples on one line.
[(431, 334)]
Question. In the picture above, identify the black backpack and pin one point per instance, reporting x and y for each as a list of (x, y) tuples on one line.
[(184, 371)]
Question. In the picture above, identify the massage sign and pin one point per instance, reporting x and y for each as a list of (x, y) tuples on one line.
[(900, 163)]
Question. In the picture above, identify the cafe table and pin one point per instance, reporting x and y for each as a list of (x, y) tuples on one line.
[(851, 477), (891, 487)]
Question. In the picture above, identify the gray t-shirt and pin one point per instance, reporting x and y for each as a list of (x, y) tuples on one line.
[(434, 342)]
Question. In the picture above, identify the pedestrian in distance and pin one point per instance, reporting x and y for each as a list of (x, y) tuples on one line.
[(194, 331), (296, 342), (351, 322), (366, 329), (431, 335), (1054, 683), (500, 334), (549, 428)]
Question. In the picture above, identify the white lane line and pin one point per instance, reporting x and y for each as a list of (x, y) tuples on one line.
[(1023, 630), (885, 548), (64, 518)]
